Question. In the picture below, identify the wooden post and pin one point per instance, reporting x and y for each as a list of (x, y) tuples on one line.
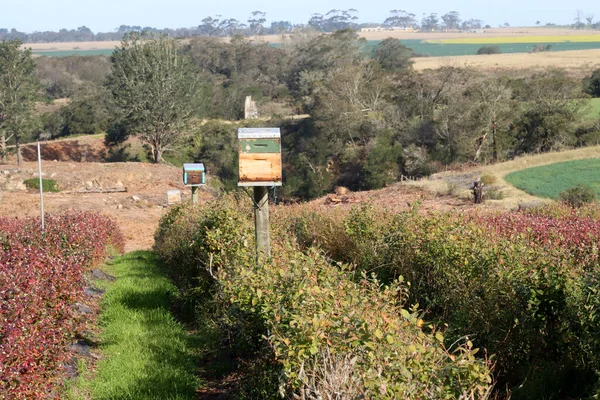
[(477, 192), (261, 221), (195, 191), (260, 168)]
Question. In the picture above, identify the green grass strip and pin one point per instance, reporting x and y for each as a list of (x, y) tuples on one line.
[(147, 353), (550, 180)]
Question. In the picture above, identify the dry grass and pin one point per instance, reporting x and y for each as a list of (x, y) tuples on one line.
[(489, 33), (52, 106), (65, 46), (583, 60), (438, 183), (593, 36)]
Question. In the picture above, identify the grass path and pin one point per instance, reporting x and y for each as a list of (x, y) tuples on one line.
[(147, 353)]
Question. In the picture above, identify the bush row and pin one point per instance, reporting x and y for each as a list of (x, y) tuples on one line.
[(41, 278), (524, 285), (309, 328)]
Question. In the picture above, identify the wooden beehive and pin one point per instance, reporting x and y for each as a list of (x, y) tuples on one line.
[(260, 157), (194, 174)]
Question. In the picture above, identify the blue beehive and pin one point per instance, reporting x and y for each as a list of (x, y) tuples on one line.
[(194, 174)]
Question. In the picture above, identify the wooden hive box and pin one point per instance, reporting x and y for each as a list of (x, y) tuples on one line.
[(260, 157), (194, 174)]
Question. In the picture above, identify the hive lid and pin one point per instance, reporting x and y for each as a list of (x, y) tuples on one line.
[(259, 133), (191, 167)]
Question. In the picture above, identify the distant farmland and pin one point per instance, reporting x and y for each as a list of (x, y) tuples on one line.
[(426, 47), (442, 49), (553, 39)]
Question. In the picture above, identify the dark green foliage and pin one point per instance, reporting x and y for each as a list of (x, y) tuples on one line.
[(63, 76), (215, 144), (383, 162), (81, 118), (545, 126), (48, 185), (392, 55), (591, 84), (157, 102), (116, 134), (540, 48), (18, 93), (489, 50), (579, 195)]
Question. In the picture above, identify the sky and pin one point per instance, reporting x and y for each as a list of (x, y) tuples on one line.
[(106, 15)]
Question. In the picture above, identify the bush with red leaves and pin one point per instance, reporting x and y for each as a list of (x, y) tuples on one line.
[(41, 277)]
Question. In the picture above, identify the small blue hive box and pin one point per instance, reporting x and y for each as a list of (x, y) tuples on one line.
[(194, 174)]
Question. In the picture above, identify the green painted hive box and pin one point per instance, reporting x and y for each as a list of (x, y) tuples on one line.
[(260, 157)]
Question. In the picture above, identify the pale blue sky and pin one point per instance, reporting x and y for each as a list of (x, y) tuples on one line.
[(106, 15)]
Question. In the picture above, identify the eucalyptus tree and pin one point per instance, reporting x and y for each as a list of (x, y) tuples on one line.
[(156, 90)]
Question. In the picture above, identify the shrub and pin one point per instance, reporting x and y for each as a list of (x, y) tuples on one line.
[(521, 283), (489, 50), (494, 193), (453, 189), (488, 180), (591, 84), (41, 277), (578, 196), (326, 328), (540, 48), (48, 185)]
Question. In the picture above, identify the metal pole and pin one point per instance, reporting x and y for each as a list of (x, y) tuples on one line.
[(261, 221), (41, 185)]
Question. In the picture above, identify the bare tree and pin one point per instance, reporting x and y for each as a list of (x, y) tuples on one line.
[(579, 19), (590, 19)]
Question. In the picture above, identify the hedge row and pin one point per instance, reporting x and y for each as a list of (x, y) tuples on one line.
[(41, 278), (309, 327), (524, 285)]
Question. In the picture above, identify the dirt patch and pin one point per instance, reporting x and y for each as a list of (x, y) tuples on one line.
[(137, 210), (397, 197), (80, 150)]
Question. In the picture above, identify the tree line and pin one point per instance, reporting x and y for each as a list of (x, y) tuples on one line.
[(256, 24), (371, 117)]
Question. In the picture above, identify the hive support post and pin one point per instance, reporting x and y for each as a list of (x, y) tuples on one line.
[(261, 221), (195, 190)]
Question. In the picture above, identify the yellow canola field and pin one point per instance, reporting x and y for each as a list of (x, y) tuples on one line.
[(521, 39)]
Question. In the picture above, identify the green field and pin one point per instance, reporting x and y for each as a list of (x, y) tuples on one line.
[(550, 180), (66, 53), (440, 49), (420, 47)]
